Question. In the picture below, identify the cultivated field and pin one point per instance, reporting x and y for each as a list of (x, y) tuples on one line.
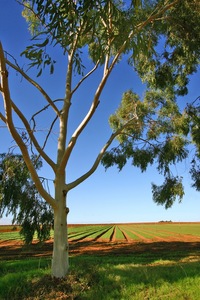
[(154, 261), (107, 237), (136, 232), (146, 232)]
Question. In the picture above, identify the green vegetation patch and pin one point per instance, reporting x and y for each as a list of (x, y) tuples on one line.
[(89, 232), (130, 234), (162, 229), (119, 234), (108, 234), (16, 276), (12, 235), (115, 277), (190, 228), (100, 233)]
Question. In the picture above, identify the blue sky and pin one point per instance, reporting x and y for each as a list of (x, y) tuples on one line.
[(109, 196)]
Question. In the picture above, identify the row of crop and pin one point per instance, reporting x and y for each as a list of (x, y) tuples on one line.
[(164, 230), (15, 235), (119, 235), (136, 231), (105, 232), (144, 233), (120, 232), (91, 232), (12, 235)]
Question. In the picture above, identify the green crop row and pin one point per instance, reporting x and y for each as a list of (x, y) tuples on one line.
[(108, 234), (91, 232), (164, 230), (119, 234), (130, 234), (100, 233), (12, 235), (106, 231)]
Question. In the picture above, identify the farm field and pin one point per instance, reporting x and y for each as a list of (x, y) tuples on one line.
[(119, 261), (138, 232), (102, 238)]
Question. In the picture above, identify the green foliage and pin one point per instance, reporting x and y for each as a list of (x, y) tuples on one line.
[(195, 173), (151, 131), (166, 193), (107, 27), (73, 26), (178, 53), (19, 197), (193, 111)]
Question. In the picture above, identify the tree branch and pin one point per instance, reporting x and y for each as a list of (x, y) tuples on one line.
[(32, 137), (3, 118), (84, 122), (95, 165), (14, 133), (85, 77), (35, 84), (99, 157)]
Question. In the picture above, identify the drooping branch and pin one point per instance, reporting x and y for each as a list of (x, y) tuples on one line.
[(9, 121), (153, 17)]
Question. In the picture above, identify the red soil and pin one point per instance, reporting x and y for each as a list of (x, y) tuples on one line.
[(16, 249)]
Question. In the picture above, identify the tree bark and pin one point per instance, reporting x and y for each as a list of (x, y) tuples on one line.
[(60, 259)]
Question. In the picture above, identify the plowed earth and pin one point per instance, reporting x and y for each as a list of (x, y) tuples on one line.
[(14, 249)]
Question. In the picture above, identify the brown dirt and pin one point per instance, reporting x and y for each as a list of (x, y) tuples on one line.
[(16, 250)]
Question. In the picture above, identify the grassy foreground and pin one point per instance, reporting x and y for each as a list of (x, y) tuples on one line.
[(124, 277)]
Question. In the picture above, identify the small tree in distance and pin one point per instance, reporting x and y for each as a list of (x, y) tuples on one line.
[(147, 130)]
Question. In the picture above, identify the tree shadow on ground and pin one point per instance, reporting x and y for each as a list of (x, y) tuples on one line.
[(139, 252), (102, 270), (116, 278)]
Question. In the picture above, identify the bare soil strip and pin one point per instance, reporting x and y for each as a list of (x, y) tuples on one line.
[(15, 250), (113, 235)]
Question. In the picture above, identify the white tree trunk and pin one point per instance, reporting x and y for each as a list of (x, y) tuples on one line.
[(60, 259)]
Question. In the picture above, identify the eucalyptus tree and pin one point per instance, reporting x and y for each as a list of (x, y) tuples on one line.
[(20, 198), (160, 39)]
